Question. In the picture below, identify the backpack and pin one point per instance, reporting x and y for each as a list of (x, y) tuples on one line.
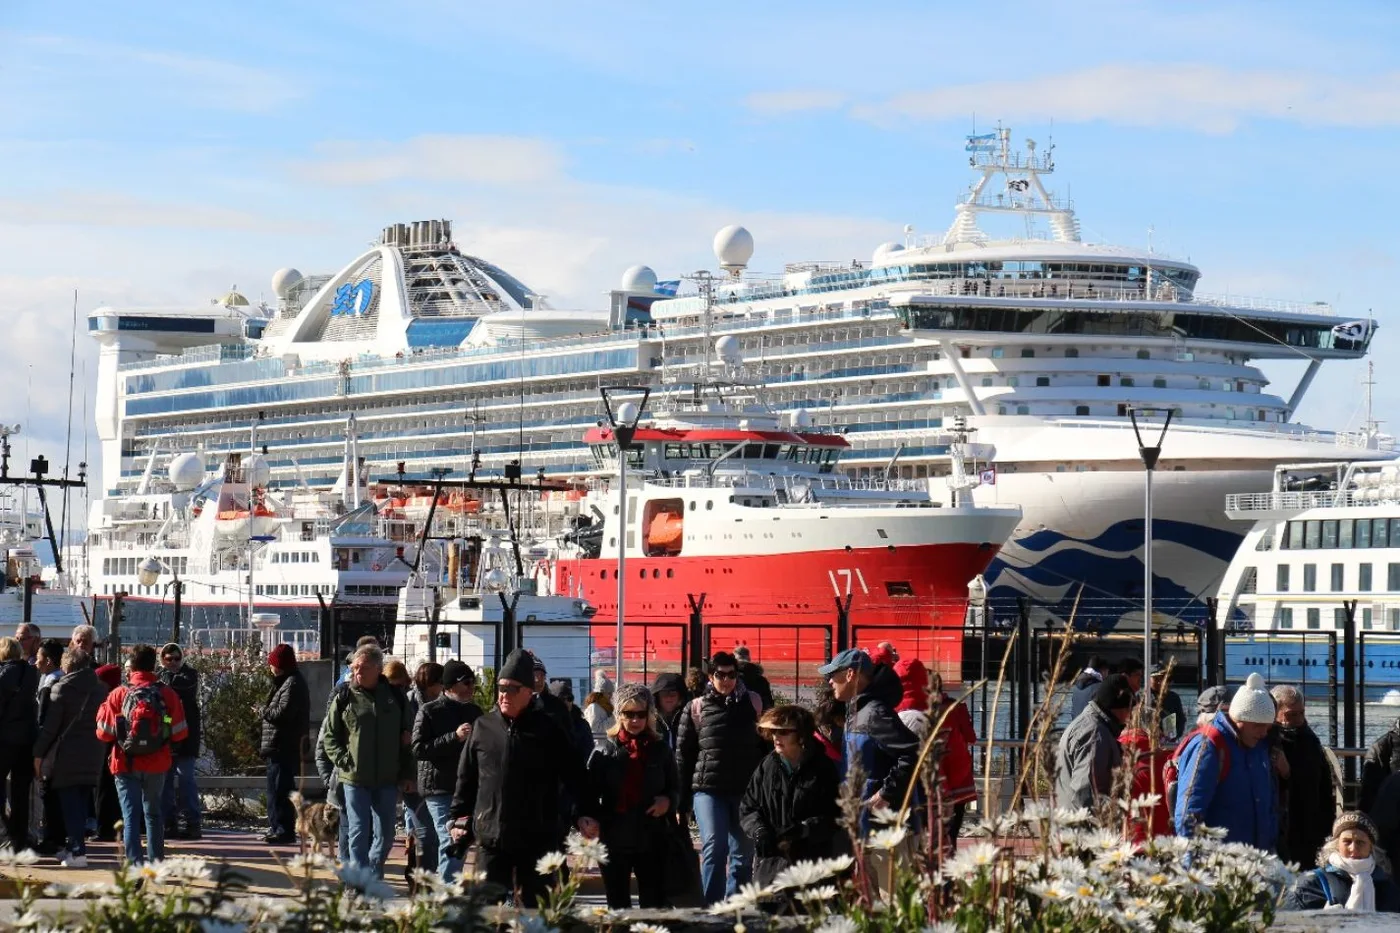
[(1171, 772), (146, 721), (697, 708)]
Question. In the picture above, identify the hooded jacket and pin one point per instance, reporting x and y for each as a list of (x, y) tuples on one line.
[(111, 725), (752, 676), (670, 725), (286, 717), (1085, 685), (1149, 777), (1244, 803), (365, 735), (19, 696), (1307, 801), (184, 680), (510, 778), (435, 742), (875, 737), (1086, 758), (794, 806), (1382, 760), (718, 754), (68, 733)]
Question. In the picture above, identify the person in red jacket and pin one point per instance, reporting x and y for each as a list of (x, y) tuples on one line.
[(140, 778), (955, 767), (1149, 777)]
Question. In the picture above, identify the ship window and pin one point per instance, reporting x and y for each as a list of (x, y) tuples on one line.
[(1366, 617), (770, 451), (1363, 532), (752, 452), (673, 452), (1081, 409), (1249, 581), (1126, 381), (898, 588), (1285, 617), (1363, 578), (1027, 353), (996, 353), (1329, 533), (1310, 578), (1282, 581), (1013, 381), (1314, 618), (1379, 536), (1023, 409), (1313, 535), (1144, 355), (1395, 620), (1105, 380), (965, 352), (1392, 577), (1071, 353), (709, 504), (986, 381), (1337, 585), (1159, 383)]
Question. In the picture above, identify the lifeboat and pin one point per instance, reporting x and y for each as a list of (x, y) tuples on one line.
[(238, 522), (664, 528)]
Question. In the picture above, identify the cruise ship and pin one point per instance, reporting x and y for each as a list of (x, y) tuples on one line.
[(1042, 342)]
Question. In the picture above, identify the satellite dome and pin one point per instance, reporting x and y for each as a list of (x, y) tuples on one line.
[(729, 350), (639, 279), (801, 418), (885, 248), (233, 299), (733, 247), (186, 471), (256, 470), (284, 280)]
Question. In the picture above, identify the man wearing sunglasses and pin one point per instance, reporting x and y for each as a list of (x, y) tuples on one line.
[(718, 747), (513, 767)]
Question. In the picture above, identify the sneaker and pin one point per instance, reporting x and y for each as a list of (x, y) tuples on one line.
[(70, 860)]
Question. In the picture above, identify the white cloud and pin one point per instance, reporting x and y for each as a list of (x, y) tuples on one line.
[(1206, 98), (114, 209), (480, 159), (777, 103)]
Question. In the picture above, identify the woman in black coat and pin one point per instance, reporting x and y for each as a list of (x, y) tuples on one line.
[(790, 807), (633, 775)]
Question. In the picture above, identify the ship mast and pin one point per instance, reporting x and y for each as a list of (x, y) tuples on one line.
[(1023, 195)]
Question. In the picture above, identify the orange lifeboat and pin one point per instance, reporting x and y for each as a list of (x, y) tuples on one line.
[(664, 530)]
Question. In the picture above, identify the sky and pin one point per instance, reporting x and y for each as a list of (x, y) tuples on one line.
[(160, 154)]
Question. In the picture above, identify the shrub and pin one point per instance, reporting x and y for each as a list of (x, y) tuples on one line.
[(231, 683)]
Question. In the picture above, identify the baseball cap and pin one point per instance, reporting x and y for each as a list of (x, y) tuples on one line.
[(850, 658)]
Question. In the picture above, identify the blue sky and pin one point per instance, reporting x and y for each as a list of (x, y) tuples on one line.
[(158, 154)]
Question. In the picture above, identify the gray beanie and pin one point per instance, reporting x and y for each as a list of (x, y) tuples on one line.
[(631, 693)]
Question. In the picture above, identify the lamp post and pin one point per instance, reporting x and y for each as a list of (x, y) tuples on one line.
[(148, 574), (1149, 454), (623, 421), (977, 607)]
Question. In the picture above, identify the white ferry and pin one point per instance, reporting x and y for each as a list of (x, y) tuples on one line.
[(1040, 341)]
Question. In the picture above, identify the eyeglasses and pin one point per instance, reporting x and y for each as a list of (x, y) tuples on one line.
[(725, 675), (633, 714), (782, 731), (510, 689)]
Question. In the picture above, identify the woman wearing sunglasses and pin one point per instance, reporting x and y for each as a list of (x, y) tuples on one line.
[(634, 775), (790, 807)]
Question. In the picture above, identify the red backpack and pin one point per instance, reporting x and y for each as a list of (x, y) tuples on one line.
[(1171, 772), (146, 721)]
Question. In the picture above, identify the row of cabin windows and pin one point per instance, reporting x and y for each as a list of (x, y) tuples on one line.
[(296, 589), (1326, 534), (131, 566), (714, 450), (1312, 618), (1337, 578), (296, 557)]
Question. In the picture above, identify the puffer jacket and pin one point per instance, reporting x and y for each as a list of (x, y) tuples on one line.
[(1307, 799), (365, 735), (68, 733), (1086, 758), (1382, 760), (19, 703), (184, 680), (435, 742), (790, 813), (1083, 690), (719, 753), (511, 780), (286, 717), (955, 764), (1244, 804), (876, 738), (632, 830), (1311, 892), (1149, 777)]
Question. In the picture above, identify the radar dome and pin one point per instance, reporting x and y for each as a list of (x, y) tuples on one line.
[(733, 247), (886, 248), (256, 470), (284, 280), (801, 418), (186, 471), (639, 279), (729, 350)]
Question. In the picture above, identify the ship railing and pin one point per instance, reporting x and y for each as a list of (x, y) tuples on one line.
[(788, 483), (1298, 501)]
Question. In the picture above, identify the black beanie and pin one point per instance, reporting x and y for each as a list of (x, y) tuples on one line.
[(518, 666), (1114, 693)]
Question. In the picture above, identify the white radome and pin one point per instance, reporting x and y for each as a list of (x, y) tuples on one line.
[(256, 470), (186, 471), (639, 279), (886, 248), (801, 418), (729, 350), (284, 280), (733, 247)]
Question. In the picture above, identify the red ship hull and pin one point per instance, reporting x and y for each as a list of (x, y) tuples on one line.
[(785, 607)]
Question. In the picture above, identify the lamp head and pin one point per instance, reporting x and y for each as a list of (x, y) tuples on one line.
[(627, 414), (977, 591), (149, 571)]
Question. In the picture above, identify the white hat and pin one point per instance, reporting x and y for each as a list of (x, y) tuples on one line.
[(603, 684), (1252, 702)]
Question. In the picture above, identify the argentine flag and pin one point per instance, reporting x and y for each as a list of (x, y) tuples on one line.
[(984, 143), (668, 288)]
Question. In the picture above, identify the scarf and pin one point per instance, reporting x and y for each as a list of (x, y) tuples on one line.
[(634, 772), (1363, 888)]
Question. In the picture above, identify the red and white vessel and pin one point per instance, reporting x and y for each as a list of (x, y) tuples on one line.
[(750, 512)]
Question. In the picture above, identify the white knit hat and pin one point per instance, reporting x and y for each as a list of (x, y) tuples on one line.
[(1252, 702), (603, 684)]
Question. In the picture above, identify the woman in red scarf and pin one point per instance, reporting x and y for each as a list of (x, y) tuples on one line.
[(634, 774)]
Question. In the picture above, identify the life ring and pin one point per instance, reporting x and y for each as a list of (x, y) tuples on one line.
[(377, 567), (543, 564)]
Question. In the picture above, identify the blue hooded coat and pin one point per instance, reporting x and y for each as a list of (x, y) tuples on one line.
[(1244, 804), (879, 741)]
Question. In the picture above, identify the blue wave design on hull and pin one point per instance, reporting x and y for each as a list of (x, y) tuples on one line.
[(1112, 582)]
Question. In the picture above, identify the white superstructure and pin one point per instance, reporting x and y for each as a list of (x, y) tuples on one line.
[(1040, 342)]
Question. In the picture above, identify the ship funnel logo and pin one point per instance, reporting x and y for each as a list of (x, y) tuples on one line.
[(353, 300)]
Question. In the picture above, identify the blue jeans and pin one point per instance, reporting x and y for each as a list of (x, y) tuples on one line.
[(420, 826), (440, 811), (182, 773), (363, 806), (137, 790), (721, 840), (74, 801)]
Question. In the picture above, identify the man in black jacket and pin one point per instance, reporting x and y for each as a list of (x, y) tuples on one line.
[(1308, 801), (513, 767), (439, 734), (184, 680), (752, 676), (286, 721), (718, 747), (1382, 760), (19, 727), (553, 706), (875, 737)]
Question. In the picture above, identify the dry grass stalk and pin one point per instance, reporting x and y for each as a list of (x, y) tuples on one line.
[(991, 730)]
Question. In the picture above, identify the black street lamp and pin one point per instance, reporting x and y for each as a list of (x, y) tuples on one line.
[(1149, 454), (623, 421)]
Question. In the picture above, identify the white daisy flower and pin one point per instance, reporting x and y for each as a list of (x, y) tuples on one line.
[(814, 895), (550, 863), (800, 875), (887, 839), (648, 928), (590, 853), (837, 923)]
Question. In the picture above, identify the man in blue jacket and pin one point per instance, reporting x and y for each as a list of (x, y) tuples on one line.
[(1226, 778), (875, 737)]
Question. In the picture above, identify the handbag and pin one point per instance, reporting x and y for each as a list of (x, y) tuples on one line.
[(682, 867)]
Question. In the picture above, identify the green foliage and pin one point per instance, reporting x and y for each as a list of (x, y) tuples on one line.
[(231, 683), (486, 688)]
